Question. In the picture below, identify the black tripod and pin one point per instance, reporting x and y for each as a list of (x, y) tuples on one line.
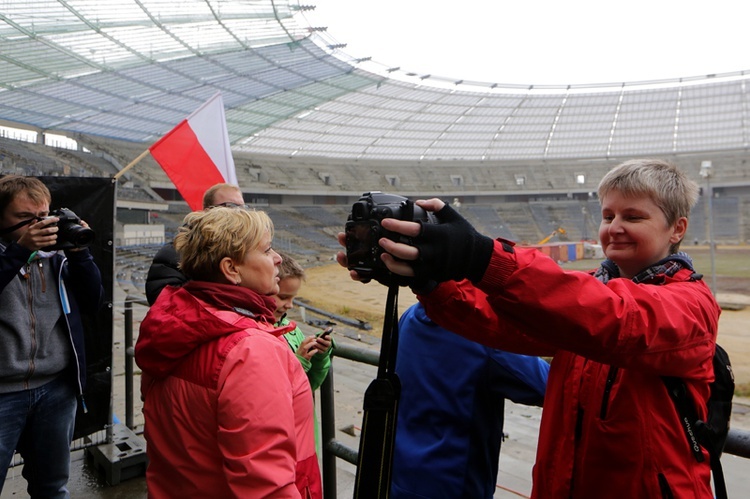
[(375, 461)]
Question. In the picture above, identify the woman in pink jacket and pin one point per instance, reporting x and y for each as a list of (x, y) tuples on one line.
[(228, 408)]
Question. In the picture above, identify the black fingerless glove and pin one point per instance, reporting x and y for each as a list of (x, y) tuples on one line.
[(451, 249)]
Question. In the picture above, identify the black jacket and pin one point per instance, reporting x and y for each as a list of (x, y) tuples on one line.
[(163, 271)]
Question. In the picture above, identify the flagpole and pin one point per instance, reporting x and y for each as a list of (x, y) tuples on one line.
[(131, 164)]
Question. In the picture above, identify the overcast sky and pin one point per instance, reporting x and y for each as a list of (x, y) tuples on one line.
[(544, 41)]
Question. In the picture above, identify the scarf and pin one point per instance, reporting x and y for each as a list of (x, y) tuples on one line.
[(229, 297), (667, 267)]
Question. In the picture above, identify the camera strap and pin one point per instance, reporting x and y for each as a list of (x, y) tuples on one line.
[(376, 443), (8, 230)]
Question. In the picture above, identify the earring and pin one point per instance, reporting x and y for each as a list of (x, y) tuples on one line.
[(239, 281)]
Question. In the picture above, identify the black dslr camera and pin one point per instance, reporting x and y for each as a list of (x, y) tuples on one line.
[(363, 230), (70, 232)]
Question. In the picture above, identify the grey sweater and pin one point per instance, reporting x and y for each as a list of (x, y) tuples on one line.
[(34, 347)]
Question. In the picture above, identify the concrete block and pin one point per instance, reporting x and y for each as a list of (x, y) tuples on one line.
[(122, 459)]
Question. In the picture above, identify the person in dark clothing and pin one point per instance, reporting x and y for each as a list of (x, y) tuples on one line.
[(164, 267), (42, 361), (449, 425)]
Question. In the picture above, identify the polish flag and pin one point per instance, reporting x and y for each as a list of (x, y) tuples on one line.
[(196, 155)]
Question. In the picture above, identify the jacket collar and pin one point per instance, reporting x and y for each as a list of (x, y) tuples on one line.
[(184, 318), (227, 297)]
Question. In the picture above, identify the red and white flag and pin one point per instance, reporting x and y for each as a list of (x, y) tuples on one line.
[(196, 154)]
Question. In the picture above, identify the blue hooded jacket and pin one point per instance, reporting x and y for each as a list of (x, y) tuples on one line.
[(450, 416)]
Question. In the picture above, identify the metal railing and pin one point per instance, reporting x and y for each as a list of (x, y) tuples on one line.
[(129, 360), (332, 448), (738, 441)]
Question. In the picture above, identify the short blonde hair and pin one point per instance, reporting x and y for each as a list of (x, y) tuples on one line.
[(669, 187), (209, 236), (662, 181)]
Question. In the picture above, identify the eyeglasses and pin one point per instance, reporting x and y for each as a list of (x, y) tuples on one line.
[(229, 204)]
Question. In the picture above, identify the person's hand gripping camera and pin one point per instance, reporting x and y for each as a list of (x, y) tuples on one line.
[(449, 250), (58, 230), (40, 233)]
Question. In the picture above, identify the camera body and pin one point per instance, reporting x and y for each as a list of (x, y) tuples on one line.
[(70, 232), (363, 230)]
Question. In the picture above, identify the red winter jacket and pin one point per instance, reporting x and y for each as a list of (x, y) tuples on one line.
[(609, 428), (228, 408)]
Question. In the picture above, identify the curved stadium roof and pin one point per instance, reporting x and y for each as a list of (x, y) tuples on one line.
[(132, 69)]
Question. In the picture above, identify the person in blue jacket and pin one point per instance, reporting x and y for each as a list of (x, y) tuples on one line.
[(449, 424)]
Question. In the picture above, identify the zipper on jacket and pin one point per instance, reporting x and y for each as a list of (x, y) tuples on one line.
[(607, 389), (32, 323)]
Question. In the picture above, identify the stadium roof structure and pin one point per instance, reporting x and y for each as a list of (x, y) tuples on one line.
[(132, 69)]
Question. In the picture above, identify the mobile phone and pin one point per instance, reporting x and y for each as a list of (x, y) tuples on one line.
[(325, 333)]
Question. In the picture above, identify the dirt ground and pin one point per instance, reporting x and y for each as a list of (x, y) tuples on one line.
[(330, 288)]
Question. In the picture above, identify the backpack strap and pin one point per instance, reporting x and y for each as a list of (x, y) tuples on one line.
[(686, 411), (690, 422), (720, 486), (694, 427)]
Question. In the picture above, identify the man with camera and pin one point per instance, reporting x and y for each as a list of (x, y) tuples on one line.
[(47, 279)]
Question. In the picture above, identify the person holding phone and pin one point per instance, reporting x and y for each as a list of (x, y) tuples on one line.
[(313, 352)]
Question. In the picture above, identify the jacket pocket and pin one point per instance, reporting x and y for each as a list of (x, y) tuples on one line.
[(611, 377), (666, 490)]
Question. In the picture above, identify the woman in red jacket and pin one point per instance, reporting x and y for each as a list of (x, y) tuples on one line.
[(228, 408), (609, 427)]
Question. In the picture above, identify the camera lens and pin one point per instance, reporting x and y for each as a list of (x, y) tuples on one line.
[(80, 236)]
